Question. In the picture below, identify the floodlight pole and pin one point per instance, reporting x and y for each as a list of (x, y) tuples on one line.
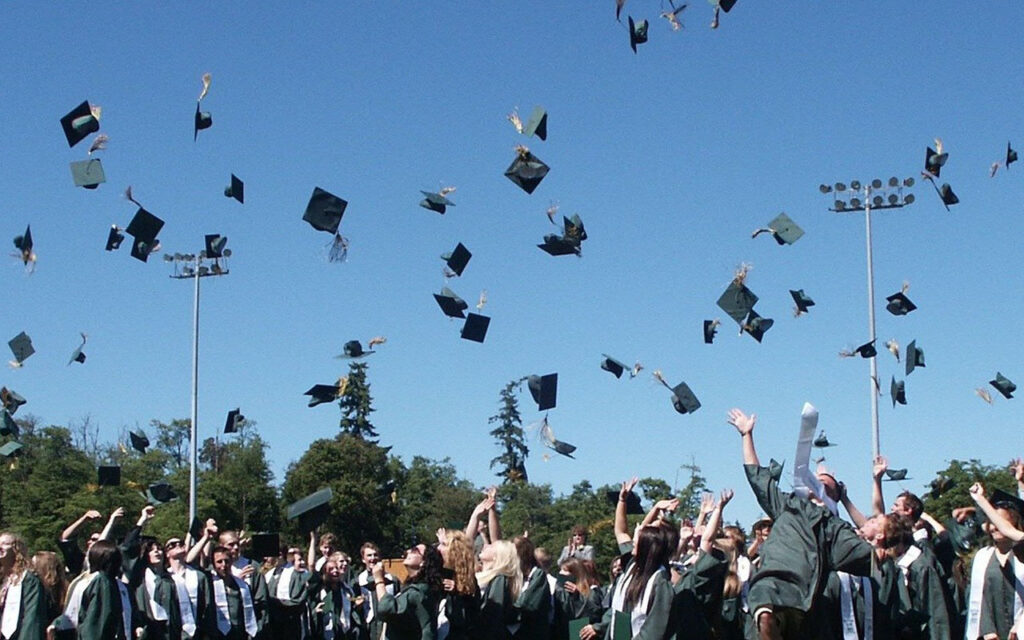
[(874, 383)]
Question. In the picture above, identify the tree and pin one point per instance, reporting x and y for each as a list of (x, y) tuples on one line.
[(509, 434), (690, 494), (962, 474), (429, 495), (357, 404), (235, 483), (173, 438)]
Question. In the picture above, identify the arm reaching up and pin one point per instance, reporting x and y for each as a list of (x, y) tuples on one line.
[(877, 471), (1001, 523), (714, 522), (622, 535), (745, 426)]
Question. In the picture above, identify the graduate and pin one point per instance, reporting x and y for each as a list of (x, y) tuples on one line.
[(22, 596), (288, 586), (412, 614), (327, 548), (105, 609), (458, 617), (363, 584), (997, 575), (156, 597), (335, 607), (577, 595), (247, 570), (534, 601), (500, 582), (806, 542), (925, 609), (235, 612), (697, 603), (191, 588)]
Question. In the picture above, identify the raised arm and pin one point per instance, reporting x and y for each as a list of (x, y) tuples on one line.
[(877, 471), (482, 507), (714, 521), (69, 532), (1001, 523), (311, 554), (855, 513), (117, 514), (745, 426), (658, 509), (622, 535), (1018, 472), (937, 527), (199, 549), (493, 524)]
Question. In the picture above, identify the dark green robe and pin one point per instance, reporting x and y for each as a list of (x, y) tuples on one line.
[(826, 622), (658, 625), (33, 615), (534, 604), (289, 618), (697, 604), (333, 610), (100, 616), (572, 606), (497, 612), (165, 594), (997, 599), (412, 614), (924, 601), (236, 612), (363, 585), (462, 612)]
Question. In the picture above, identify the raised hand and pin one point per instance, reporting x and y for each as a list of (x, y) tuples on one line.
[(744, 424), (627, 487), (878, 470), (725, 497), (92, 514), (977, 491)]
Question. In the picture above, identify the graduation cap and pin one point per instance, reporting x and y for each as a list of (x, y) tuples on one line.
[(948, 197), (557, 245), (24, 244), (897, 391), (88, 173), (234, 420), (159, 493), (574, 229), (114, 238), (10, 449), (236, 189), (435, 202), (266, 545), (866, 350), (457, 259), (737, 301), (544, 390), (637, 33), (822, 442), (934, 160), (710, 329), (783, 229), (195, 529), (78, 355), (527, 170), (537, 124), (1011, 156), (726, 5), (914, 356), (899, 304), (354, 349), (612, 365), (79, 123), (8, 427), (215, 244), (108, 476), (941, 485), (144, 228), (324, 211), (451, 304), (633, 505), (802, 300), (683, 399), (896, 474), (21, 347), (548, 436), (757, 326), (1003, 385), (321, 393), (312, 510), (475, 328), (1003, 500), (10, 400), (139, 440), (203, 120), (963, 535)]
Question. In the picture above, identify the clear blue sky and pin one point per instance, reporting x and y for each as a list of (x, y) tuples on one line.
[(671, 156)]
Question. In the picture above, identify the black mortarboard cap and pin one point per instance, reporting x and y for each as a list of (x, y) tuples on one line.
[(236, 189), (321, 393), (637, 33), (215, 244), (963, 535), (866, 350), (312, 510), (114, 238), (203, 120), (784, 230), (1004, 500), (948, 197), (710, 329), (24, 244), (79, 123), (234, 420), (563, 448), (435, 202), (77, 355), (8, 427), (139, 440), (726, 4), (633, 506), (802, 300), (914, 357), (458, 259), (10, 449), (574, 229), (11, 400), (933, 161), (88, 173), (822, 441), (557, 245), (1011, 156), (898, 391), (324, 211), (537, 124), (108, 476), (527, 170), (899, 304), (141, 249), (475, 328), (737, 301), (265, 545), (195, 529), (683, 399), (21, 347), (451, 304), (1003, 385), (895, 474), (544, 390), (941, 485), (612, 365), (354, 349), (144, 226), (160, 493), (757, 326)]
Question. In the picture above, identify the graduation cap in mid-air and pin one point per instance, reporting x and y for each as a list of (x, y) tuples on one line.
[(78, 355), (783, 229), (935, 159), (108, 475), (822, 442), (236, 189), (437, 202), (637, 32), (266, 545), (24, 245), (548, 437), (457, 259), (203, 119), (898, 391), (312, 510), (544, 390), (612, 365), (451, 304), (88, 173), (234, 420), (8, 427), (324, 212), (683, 399), (894, 475), (633, 504), (80, 122), (21, 347), (1011, 156), (914, 357), (1003, 385), (475, 327), (114, 238), (11, 449), (710, 329), (557, 245), (354, 349), (899, 304), (144, 228), (537, 124), (215, 246), (526, 170), (941, 485), (11, 400), (866, 350), (756, 326), (948, 197), (737, 301), (139, 440), (802, 300), (159, 493), (321, 393)]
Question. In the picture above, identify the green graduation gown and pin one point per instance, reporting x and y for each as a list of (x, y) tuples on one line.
[(497, 612), (572, 606), (101, 614), (924, 601), (332, 613), (997, 597), (165, 595), (289, 618), (658, 625), (534, 604), (697, 604), (411, 615), (32, 614), (462, 612)]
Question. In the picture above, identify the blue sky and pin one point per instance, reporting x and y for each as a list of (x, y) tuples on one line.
[(671, 156)]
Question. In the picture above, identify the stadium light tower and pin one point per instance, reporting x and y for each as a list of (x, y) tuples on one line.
[(867, 197)]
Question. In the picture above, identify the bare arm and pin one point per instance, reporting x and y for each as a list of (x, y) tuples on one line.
[(1001, 523), (745, 426), (659, 507), (714, 522), (474, 518), (493, 524), (114, 517), (311, 554), (1018, 473), (855, 514), (68, 533), (937, 526), (199, 550), (622, 535), (877, 501)]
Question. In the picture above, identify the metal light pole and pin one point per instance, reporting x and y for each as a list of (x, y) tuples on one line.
[(876, 196), (189, 266)]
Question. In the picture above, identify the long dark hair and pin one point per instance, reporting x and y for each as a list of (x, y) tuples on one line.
[(105, 557), (430, 570), (654, 546), (527, 560)]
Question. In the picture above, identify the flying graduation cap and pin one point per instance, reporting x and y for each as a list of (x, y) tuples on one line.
[(802, 300), (527, 170), (899, 304), (935, 159), (144, 228), (894, 475), (637, 33), (633, 505), (612, 366), (10, 400), (215, 244), (571, 240), (548, 437), (724, 5), (897, 391), (234, 420), (108, 475), (756, 326), (914, 356), (451, 304), (80, 122), (159, 493), (683, 399), (438, 202), (475, 327), (822, 442), (866, 350), (312, 510), (8, 427), (88, 173), (138, 440), (737, 301), (78, 355), (354, 349), (710, 329), (24, 245), (782, 228), (537, 124), (1011, 156), (11, 449), (544, 390), (203, 119), (457, 259), (324, 212), (321, 393), (1003, 385), (236, 189), (21, 347), (114, 238)]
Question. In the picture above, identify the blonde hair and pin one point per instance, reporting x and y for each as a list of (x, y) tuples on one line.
[(461, 560), (21, 559), (732, 585), (506, 563)]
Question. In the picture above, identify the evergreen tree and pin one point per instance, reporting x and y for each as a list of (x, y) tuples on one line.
[(509, 434), (356, 404)]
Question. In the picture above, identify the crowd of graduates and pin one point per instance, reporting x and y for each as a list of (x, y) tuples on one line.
[(805, 572)]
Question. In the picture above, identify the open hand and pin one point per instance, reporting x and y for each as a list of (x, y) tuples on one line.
[(744, 424)]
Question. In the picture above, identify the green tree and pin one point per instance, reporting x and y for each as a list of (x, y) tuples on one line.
[(525, 507), (510, 437), (357, 404), (173, 438), (235, 482), (962, 474), (430, 495), (690, 494)]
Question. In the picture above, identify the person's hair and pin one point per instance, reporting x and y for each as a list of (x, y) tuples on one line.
[(590, 573), (105, 557), (730, 547), (147, 545), (220, 549), (579, 530), (543, 558), (913, 503), (462, 561), (506, 563), (581, 576), (338, 556), (368, 545), (21, 558), (1011, 514), (227, 532), (329, 539), (50, 570), (430, 570), (335, 557), (654, 546), (738, 536), (611, 567), (525, 549), (899, 530)]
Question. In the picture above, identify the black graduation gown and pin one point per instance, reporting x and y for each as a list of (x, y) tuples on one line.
[(462, 612), (333, 610), (497, 611), (289, 618), (33, 613)]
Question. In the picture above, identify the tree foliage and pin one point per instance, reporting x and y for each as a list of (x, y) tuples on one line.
[(357, 404), (964, 473), (509, 435)]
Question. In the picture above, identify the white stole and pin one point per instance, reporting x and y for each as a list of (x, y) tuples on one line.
[(846, 606), (12, 606), (443, 626), (75, 592), (126, 608), (187, 588), (159, 613), (220, 597), (638, 616), (907, 559), (978, 568), (284, 584)]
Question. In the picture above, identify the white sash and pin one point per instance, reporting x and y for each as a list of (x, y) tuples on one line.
[(978, 568), (12, 606), (638, 616), (442, 619), (846, 606), (187, 588), (159, 613), (220, 597), (284, 584), (907, 559), (126, 608), (75, 592)]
